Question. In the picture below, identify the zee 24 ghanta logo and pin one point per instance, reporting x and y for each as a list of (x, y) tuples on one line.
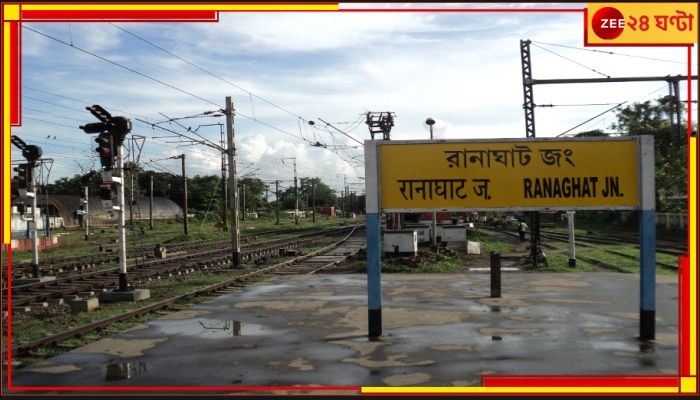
[(609, 23)]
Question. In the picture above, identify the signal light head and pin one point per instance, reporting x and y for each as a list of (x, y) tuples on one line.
[(24, 176), (106, 150), (106, 191)]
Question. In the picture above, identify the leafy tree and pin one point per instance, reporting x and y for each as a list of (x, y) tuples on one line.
[(671, 162), (76, 185), (287, 198), (65, 185), (161, 183), (308, 189), (593, 133), (314, 192), (253, 189), (203, 193)]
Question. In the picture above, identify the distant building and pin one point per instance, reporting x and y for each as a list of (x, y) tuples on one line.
[(69, 211), (327, 211)]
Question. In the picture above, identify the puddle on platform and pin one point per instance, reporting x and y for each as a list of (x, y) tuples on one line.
[(211, 328), (125, 370)]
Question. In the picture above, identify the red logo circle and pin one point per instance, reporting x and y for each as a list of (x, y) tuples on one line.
[(608, 23)]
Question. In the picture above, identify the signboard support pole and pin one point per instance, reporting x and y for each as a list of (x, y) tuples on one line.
[(374, 259), (647, 235), (374, 278)]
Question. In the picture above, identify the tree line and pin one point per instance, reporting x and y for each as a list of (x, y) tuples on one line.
[(208, 193)]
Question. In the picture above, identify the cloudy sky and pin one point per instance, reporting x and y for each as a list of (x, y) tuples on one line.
[(302, 84)]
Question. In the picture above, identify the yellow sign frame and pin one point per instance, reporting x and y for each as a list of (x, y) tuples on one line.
[(512, 174)]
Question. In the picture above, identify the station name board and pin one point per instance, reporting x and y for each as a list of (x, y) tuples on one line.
[(563, 174)]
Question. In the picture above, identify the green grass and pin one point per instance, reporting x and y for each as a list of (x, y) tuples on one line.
[(490, 242), (424, 262), (595, 259)]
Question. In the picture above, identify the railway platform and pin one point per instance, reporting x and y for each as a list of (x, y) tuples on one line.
[(308, 334)]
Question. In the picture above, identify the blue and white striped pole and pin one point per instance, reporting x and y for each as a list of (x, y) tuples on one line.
[(647, 238), (374, 259)]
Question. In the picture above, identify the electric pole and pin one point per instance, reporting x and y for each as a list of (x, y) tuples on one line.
[(277, 200), (296, 190), (313, 198), (184, 180), (233, 187)]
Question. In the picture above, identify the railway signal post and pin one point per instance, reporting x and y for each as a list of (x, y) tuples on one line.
[(112, 132), (27, 188)]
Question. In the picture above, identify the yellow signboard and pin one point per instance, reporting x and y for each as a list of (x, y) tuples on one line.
[(516, 174), (655, 24)]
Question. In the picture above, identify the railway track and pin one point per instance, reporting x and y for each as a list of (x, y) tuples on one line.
[(210, 257), (105, 251), (348, 245)]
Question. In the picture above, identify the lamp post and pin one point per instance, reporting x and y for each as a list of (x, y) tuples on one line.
[(430, 122)]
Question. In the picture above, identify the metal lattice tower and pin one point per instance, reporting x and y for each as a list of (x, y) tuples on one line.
[(380, 122)]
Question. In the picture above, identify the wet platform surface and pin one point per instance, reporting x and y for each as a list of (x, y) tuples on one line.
[(438, 330)]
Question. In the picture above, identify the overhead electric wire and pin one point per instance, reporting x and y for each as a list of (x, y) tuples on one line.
[(611, 53), (250, 94), (207, 72), (181, 90), (605, 52), (591, 119), (575, 62), (120, 66)]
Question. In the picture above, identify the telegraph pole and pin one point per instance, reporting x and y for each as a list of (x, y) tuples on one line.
[(296, 190), (223, 183), (184, 179), (150, 209), (296, 195), (277, 200), (233, 187), (313, 199)]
